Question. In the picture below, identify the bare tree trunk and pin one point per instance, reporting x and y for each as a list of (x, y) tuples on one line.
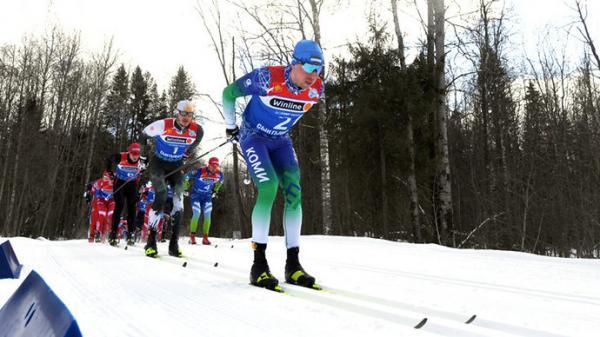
[(585, 33), (100, 74), (218, 41), (526, 209), (410, 139), (5, 223), (15, 185), (19, 216), (443, 162), (323, 137)]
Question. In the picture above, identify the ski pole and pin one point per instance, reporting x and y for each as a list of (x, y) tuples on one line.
[(197, 159), (120, 187)]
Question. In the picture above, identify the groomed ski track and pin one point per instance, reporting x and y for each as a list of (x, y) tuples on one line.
[(378, 288)]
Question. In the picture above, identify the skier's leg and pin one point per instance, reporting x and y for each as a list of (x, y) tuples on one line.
[(145, 224), (287, 168), (263, 174), (167, 220), (95, 218), (157, 176), (110, 211), (196, 209), (176, 182), (131, 196), (206, 214), (264, 177), (119, 201)]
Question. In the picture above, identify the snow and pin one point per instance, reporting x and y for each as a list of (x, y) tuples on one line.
[(373, 288)]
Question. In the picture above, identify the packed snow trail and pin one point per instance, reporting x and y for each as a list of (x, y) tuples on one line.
[(372, 287)]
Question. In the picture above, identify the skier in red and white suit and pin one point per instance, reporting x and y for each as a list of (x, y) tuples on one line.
[(103, 206)]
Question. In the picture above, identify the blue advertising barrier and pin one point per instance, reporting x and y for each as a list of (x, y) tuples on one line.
[(9, 265), (35, 310)]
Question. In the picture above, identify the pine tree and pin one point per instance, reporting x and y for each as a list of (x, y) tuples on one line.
[(116, 116), (140, 103), (181, 87)]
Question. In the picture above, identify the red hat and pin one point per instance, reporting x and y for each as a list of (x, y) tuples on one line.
[(134, 148), (213, 160)]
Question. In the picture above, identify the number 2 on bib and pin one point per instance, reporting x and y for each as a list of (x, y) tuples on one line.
[(283, 125)]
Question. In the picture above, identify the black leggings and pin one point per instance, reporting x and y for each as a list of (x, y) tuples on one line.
[(158, 170), (129, 192)]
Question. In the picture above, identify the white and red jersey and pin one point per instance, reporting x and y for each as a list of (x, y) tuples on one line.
[(102, 188), (171, 142), (127, 170)]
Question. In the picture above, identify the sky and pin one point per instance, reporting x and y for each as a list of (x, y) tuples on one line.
[(160, 35)]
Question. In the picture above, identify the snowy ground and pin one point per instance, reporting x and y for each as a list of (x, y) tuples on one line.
[(373, 288)]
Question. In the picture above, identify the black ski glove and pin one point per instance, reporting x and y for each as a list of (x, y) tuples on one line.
[(233, 134), (143, 163)]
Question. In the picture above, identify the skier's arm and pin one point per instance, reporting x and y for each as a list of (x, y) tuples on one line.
[(188, 177), (110, 162), (219, 183), (152, 130), (253, 83), (199, 136)]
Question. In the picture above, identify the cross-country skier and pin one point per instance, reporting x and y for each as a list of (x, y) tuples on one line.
[(175, 139), (103, 206), (127, 167), (205, 183), (280, 96)]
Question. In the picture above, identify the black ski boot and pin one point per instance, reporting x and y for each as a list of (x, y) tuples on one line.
[(174, 242), (174, 248), (260, 275), (112, 238), (295, 274), (130, 239), (150, 248)]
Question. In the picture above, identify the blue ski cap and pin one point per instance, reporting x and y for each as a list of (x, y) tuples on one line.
[(308, 51)]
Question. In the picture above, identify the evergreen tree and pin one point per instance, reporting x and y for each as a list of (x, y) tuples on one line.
[(181, 87), (115, 112), (162, 108), (140, 103)]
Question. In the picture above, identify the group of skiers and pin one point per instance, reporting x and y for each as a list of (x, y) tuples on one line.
[(120, 185), (280, 97)]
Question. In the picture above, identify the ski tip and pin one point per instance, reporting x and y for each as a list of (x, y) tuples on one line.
[(216, 264), (470, 320), (421, 323), (316, 287), (184, 264)]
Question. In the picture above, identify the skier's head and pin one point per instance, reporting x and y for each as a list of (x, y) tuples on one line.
[(213, 164), (134, 151), (307, 63), (184, 111)]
